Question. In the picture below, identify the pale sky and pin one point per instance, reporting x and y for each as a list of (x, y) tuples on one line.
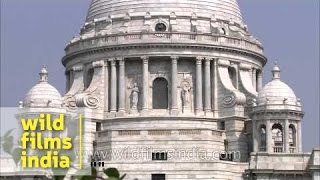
[(35, 32)]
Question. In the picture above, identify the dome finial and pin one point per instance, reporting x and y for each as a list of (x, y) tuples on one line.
[(276, 71), (43, 74)]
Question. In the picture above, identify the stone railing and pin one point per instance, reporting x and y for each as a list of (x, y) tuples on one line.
[(278, 149), (292, 149), (105, 135), (79, 44)]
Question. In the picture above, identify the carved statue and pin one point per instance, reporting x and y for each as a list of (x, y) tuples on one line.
[(185, 95), (134, 96)]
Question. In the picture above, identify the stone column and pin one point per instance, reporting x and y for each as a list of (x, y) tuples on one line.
[(122, 89), (207, 85), (259, 85), (145, 75), (199, 107), (106, 87), (68, 80), (174, 72), (254, 136), (254, 78), (286, 136), (269, 137), (215, 89), (113, 85), (299, 137)]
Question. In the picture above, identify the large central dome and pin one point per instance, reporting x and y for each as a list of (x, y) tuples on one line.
[(225, 9)]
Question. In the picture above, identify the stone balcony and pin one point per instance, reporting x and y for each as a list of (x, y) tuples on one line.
[(97, 41)]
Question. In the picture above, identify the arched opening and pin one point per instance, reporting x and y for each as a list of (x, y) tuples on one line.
[(160, 93), (69, 80), (89, 78), (292, 138), (263, 138), (277, 138), (233, 76)]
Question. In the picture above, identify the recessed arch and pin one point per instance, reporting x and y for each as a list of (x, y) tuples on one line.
[(233, 76), (277, 138), (160, 93), (263, 138), (89, 77), (292, 137)]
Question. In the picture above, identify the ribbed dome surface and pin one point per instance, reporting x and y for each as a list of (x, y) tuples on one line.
[(43, 95), (220, 8), (276, 91)]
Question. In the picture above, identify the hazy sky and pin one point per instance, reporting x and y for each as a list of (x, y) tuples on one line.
[(35, 32)]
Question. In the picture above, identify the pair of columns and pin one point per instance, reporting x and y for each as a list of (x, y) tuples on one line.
[(207, 86), (257, 79), (174, 84), (113, 85), (121, 87)]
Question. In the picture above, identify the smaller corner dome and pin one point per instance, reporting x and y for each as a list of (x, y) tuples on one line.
[(43, 94), (276, 91)]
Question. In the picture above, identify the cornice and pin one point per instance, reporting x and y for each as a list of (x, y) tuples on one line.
[(102, 49)]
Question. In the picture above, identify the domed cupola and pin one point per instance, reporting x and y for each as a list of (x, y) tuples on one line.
[(276, 118), (277, 94), (42, 94)]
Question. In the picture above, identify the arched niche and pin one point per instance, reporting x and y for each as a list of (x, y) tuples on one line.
[(262, 138), (160, 93)]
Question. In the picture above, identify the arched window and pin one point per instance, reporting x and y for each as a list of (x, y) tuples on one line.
[(277, 138), (160, 94), (233, 76), (292, 138), (89, 78), (263, 138)]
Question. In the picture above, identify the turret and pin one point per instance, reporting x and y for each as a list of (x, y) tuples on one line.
[(276, 118)]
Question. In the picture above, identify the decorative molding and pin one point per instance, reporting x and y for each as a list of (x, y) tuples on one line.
[(77, 68), (105, 49), (245, 66), (86, 100), (145, 59), (229, 100), (98, 64), (199, 59), (223, 62)]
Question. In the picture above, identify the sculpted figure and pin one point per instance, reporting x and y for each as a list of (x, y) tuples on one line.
[(134, 96), (185, 95)]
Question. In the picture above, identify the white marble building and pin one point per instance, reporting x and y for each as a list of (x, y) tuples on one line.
[(173, 76)]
